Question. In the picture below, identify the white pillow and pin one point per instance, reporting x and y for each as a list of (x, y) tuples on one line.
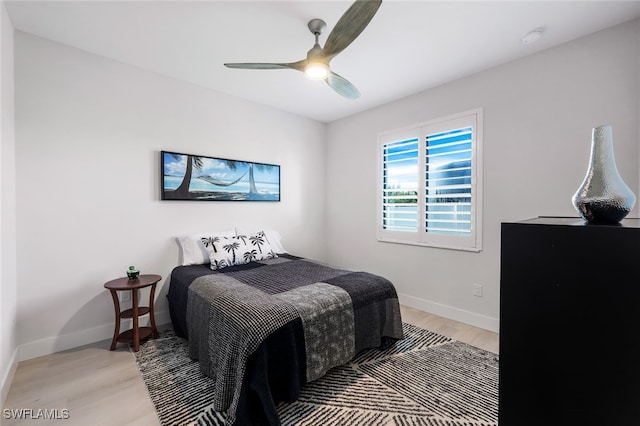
[(230, 251), (274, 237), (193, 251)]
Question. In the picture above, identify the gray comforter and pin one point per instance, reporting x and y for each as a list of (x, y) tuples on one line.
[(231, 312)]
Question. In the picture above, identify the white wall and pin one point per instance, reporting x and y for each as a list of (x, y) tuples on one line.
[(8, 281), (88, 135), (538, 115)]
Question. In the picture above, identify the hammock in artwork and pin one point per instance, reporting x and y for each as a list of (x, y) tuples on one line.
[(216, 182)]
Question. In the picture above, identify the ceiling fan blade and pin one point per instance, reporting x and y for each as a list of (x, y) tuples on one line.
[(266, 66), (342, 86), (350, 25)]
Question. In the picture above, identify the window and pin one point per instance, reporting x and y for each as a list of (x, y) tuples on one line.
[(430, 182)]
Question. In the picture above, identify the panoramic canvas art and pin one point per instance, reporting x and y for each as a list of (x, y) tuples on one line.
[(194, 177)]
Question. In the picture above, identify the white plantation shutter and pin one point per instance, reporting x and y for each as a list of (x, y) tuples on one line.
[(400, 185), (448, 182), (430, 183)]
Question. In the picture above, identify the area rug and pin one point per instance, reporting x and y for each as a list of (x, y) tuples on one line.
[(425, 380)]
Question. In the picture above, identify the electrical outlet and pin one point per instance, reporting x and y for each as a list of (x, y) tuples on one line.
[(477, 290), (125, 296)]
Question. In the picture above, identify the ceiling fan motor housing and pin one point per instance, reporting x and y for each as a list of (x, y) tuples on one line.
[(317, 26)]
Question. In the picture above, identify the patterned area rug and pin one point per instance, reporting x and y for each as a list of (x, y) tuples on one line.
[(425, 380)]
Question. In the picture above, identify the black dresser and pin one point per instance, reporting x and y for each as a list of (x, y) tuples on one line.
[(570, 323)]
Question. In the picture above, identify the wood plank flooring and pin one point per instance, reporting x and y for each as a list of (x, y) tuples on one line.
[(102, 387)]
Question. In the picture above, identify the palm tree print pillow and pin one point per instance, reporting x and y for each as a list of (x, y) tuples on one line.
[(238, 250)]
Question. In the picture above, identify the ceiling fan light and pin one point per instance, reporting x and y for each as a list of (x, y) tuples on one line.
[(316, 71)]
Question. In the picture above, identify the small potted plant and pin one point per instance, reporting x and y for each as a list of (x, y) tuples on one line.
[(133, 273)]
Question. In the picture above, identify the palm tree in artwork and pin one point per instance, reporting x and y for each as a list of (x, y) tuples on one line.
[(182, 191), (257, 240), (232, 247), (252, 182), (232, 165)]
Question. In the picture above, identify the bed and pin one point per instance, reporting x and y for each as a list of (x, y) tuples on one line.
[(265, 327)]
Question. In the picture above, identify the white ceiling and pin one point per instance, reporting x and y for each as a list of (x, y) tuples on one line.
[(409, 46)]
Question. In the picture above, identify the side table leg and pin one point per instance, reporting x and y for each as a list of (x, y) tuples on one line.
[(151, 314), (136, 329), (116, 333)]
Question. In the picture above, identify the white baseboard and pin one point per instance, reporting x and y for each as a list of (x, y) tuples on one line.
[(467, 317), (8, 377), (63, 342)]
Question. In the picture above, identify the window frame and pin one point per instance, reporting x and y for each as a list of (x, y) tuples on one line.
[(472, 242)]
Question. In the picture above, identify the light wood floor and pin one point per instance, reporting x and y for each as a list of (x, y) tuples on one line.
[(100, 387)]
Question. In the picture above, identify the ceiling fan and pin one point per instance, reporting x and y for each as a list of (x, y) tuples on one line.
[(316, 65)]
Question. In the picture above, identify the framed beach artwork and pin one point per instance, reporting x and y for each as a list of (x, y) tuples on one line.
[(200, 178)]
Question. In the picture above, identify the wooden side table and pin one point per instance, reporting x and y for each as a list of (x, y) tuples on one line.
[(136, 334)]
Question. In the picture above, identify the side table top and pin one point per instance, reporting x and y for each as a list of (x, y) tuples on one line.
[(125, 283)]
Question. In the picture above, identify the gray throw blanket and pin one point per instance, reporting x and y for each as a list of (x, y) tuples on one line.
[(230, 314)]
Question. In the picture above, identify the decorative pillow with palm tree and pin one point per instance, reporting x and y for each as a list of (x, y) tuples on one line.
[(192, 248), (238, 250)]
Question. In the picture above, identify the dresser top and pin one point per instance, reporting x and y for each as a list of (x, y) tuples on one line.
[(576, 221)]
